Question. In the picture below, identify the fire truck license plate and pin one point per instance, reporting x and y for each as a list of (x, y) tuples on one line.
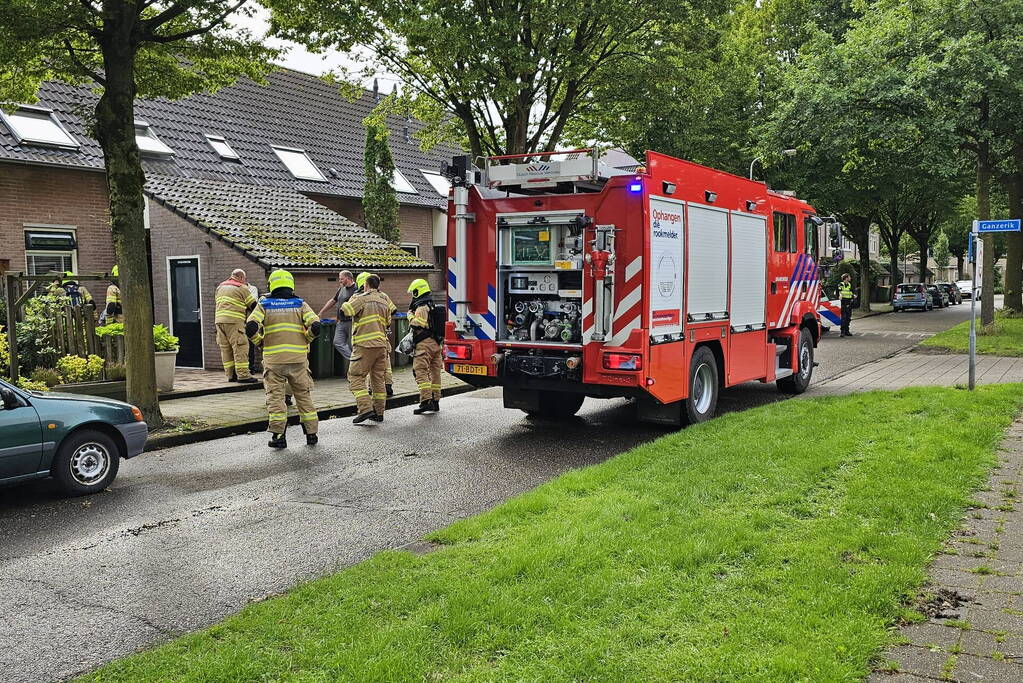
[(463, 369)]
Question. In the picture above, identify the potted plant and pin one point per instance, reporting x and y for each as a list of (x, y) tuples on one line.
[(166, 348)]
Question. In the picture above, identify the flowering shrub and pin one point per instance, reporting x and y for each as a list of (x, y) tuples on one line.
[(30, 385), (74, 369), (5, 353), (163, 340)]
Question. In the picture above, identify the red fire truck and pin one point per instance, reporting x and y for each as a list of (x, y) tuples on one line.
[(664, 283)]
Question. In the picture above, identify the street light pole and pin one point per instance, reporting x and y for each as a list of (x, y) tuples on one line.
[(784, 153), (760, 159)]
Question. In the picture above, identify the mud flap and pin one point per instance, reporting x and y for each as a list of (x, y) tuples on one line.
[(522, 399), (649, 409)]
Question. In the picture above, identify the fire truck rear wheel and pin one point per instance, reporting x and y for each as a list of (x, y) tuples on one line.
[(798, 382), (703, 387), (558, 405)]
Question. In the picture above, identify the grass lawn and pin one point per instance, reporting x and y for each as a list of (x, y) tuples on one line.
[(1003, 338), (779, 543)]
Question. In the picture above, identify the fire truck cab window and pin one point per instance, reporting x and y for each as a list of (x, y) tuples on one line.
[(810, 238), (785, 232)]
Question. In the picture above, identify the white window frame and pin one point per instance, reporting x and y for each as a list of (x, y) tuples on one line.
[(24, 140), (401, 184), (161, 150), (46, 227), (429, 175), (211, 139), (407, 246), (320, 178)]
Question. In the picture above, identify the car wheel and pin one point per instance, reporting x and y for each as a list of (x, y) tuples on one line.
[(86, 463), (703, 388), (797, 382)]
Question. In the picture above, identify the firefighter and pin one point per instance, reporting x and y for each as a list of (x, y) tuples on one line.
[(113, 309), (284, 325), (845, 293), (370, 312), (427, 335), (78, 294), (234, 300), (389, 375)]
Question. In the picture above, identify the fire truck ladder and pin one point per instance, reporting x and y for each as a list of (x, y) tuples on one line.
[(581, 170)]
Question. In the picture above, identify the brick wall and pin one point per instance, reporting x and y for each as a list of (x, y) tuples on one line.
[(416, 223), (57, 197), (172, 236)]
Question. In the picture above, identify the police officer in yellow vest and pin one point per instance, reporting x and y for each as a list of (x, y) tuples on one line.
[(113, 309), (845, 293), (371, 314), (284, 325), (427, 364), (234, 301)]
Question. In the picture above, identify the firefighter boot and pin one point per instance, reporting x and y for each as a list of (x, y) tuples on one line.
[(390, 390), (376, 417), (277, 441), (428, 406), (362, 417)]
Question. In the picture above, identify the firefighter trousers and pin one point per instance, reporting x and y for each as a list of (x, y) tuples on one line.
[(427, 366), (277, 380), (369, 362), (234, 349)]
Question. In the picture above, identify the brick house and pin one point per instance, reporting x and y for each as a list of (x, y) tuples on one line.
[(296, 143)]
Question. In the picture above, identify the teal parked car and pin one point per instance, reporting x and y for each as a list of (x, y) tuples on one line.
[(77, 440)]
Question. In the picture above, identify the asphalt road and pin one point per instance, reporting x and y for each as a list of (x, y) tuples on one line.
[(189, 535)]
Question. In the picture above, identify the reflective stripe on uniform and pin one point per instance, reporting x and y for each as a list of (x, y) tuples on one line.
[(359, 338), (231, 314), (257, 315), (278, 416), (284, 348), (360, 392), (306, 417), (282, 327), (367, 319)]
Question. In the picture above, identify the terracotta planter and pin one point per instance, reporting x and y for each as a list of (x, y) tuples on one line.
[(165, 361)]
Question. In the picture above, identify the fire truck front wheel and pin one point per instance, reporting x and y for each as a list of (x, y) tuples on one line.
[(703, 387), (798, 382)]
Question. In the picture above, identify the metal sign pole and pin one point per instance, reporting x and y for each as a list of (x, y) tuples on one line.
[(973, 310)]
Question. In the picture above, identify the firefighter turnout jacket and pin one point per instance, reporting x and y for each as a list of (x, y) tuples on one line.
[(370, 313), (284, 328), (233, 302)]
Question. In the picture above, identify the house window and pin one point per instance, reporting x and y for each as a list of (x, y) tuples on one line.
[(49, 251), (401, 184), (411, 248), (785, 232), (221, 147), (148, 142), (439, 182), (299, 164), (38, 126)]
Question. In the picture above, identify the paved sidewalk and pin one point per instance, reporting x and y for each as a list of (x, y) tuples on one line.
[(917, 369), (974, 604), (217, 415)]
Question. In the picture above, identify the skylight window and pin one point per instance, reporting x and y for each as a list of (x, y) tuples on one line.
[(300, 165), (147, 141), (38, 126), (439, 182), (401, 184), (221, 147)]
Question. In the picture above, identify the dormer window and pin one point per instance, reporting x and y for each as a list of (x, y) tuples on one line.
[(299, 164), (38, 126), (401, 184), (439, 182), (148, 142), (221, 147)]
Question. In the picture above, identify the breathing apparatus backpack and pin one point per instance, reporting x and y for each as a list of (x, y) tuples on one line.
[(73, 292)]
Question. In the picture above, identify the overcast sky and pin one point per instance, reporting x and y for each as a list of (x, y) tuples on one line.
[(300, 59)]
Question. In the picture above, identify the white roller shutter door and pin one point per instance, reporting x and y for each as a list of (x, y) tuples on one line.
[(749, 272), (708, 263)]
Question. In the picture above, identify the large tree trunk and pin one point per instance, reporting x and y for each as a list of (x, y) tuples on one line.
[(1014, 251), (922, 239), (960, 262), (115, 130), (863, 245)]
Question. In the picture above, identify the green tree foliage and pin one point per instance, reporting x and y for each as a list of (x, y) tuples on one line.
[(127, 49), (515, 75), (379, 199), (942, 254)]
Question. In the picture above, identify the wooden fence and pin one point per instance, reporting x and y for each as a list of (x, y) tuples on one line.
[(72, 331)]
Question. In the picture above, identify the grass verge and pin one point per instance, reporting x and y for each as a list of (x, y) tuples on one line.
[(779, 543), (1002, 338)]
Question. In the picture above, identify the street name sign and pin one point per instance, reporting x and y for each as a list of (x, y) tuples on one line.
[(1007, 225)]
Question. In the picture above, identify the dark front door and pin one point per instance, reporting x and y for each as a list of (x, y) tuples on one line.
[(186, 315)]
